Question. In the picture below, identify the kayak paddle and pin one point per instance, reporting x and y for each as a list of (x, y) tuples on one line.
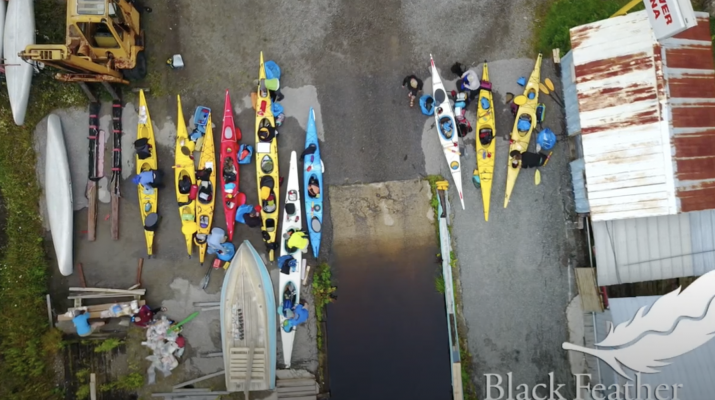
[(550, 85)]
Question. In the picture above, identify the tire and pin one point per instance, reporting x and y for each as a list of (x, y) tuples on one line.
[(140, 69)]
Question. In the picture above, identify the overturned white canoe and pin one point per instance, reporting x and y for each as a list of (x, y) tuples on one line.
[(248, 323), (58, 194), (2, 23), (19, 33)]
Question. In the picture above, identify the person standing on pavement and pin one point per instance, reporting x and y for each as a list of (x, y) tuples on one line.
[(415, 87)]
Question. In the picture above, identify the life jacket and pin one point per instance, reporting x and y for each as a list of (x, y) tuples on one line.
[(142, 148)]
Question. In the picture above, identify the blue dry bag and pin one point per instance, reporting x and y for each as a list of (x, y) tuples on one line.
[(427, 110), (272, 70), (546, 139), (244, 154), (523, 125), (485, 103), (277, 109)]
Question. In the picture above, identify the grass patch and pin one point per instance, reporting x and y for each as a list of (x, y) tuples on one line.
[(25, 348), (108, 345), (322, 289), (556, 17), (129, 382)]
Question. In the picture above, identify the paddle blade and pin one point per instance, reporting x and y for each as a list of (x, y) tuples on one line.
[(543, 88), (549, 84), (537, 178), (520, 100)]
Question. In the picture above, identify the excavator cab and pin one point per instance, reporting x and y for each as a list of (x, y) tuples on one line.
[(104, 43)]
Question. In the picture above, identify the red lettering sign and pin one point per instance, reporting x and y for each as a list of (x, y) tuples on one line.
[(668, 19), (656, 13)]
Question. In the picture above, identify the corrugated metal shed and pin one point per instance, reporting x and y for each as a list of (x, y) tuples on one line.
[(568, 83), (647, 116), (654, 248), (694, 370), (579, 186)]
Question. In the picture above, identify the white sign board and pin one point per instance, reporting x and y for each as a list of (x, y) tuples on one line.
[(669, 17)]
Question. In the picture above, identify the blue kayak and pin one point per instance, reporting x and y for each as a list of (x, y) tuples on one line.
[(313, 184)]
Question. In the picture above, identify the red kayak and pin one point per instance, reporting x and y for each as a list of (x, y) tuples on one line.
[(230, 136)]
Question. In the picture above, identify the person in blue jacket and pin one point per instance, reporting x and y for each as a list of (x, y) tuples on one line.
[(249, 215), (81, 323), (296, 316)]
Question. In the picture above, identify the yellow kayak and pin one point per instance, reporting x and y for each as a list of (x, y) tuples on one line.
[(267, 163), (184, 178), (207, 190), (486, 132), (520, 138), (148, 197)]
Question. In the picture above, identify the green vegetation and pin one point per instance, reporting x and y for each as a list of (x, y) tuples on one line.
[(129, 382), (322, 289), (439, 283), (108, 345), (555, 18), (83, 392), (26, 350)]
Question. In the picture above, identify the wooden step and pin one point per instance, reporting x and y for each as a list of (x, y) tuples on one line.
[(294, 382)]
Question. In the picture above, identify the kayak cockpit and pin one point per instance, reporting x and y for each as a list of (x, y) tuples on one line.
[(486, 135), (446, 127), (523, 126), (313, 187)]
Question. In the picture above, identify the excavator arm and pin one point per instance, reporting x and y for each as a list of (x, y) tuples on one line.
[(76, 68)]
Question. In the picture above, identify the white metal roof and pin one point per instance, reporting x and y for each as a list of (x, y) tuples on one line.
[(654, 248), (694, 370), (631, 93)]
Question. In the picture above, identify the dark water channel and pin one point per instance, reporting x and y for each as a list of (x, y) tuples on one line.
[(387, 331)]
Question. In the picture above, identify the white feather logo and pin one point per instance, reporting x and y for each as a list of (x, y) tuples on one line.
[(674, 325)]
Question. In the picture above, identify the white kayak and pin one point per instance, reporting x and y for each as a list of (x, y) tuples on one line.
[(58, 194), (447, 129), (19, 33), (292, 221)]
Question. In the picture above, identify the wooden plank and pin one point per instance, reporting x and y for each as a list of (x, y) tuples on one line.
[(115, 217), (556, 54), (122, 291), (92, 386), (49, 311), (80, 272), (140, 269), (294, 382), (306, 388), (102, 307), (94, 314), (590, 295), (457, 391), (209, 376), (297, 398), (101, 296), (189, 394), (92, 211)]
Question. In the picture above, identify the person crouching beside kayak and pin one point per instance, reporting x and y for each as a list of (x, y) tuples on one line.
[(528, 159), (296, 316), (249, 215), (415, 87), (150, 179), (297, 240)]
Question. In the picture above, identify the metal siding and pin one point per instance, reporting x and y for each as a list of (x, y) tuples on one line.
[(573, 123), (653, 248), (647, 116), (694, 370), (608, 376), (579, 186), (703, 234)]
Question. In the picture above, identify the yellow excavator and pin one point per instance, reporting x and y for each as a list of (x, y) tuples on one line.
[(104, 44)]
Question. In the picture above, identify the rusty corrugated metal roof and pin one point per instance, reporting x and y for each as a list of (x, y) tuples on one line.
[(647, 116)]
